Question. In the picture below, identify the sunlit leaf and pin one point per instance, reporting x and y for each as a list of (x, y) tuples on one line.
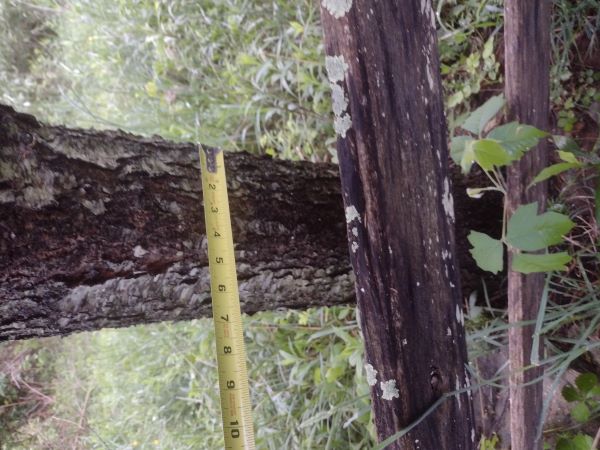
[(527, 263), (487, 251), (529, 231), (476, 122)]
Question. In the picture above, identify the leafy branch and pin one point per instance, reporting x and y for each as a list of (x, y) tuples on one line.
[(525, 231)]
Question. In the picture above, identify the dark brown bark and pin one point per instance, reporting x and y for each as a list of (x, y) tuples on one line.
[(384, 69), (75, 205), (527, 49)]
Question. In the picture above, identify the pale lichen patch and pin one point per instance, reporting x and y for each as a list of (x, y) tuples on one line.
[(336, 67), (371, 375), (389, 390), (447, 200), (341, 124), (354, 246), (95, 206), (337, 8), (340, 102), (352, 214), (138, 251)]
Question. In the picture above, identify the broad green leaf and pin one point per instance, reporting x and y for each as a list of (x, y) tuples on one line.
[(488, 48), (487, 252), (554, 169), (461, 151), (565, 143), (577, 442), (528, 231), (476, 122), (586, 381), (582, 442), (570, 394), (527, 263), (489, 153), (568, 157), (580, 412), (516, 138)]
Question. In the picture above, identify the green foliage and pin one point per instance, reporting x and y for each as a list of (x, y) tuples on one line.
[(487, 252), (585, 397), (529, 231), (479, 118), (490, 443), (525, 230)]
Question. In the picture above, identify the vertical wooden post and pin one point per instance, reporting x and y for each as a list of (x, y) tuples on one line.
[(383, 67), (527, 49)]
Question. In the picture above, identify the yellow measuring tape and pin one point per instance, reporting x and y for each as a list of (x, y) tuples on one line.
[(231, 354)]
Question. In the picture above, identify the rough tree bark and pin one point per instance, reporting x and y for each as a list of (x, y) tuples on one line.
[(383, 66), (527, 71), (105, 229)]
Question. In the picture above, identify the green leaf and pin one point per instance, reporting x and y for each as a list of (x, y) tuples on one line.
[(570, 394), (565, 143), (582, 442), (578, 442), (554, 169), (586, 381), (516, 138), (458, 146), (476, 122), (568, 157), (461, 151), (528, 231), (527, 263), (580, 412), (487, 252), (489, 153)]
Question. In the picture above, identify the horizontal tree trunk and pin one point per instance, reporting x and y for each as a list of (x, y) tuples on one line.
[(105, 229)]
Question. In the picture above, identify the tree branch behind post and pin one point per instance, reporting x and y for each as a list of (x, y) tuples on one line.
[(383, 67), (527, 47)]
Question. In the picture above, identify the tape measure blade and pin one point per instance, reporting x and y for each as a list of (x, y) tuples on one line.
[(238, 429)]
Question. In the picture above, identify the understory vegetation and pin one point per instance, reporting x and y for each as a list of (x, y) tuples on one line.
[(249, 75)]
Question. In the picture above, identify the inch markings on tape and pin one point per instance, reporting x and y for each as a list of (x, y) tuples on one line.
[(236, 409)]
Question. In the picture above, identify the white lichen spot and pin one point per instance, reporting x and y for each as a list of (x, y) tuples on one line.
[(418, 284), (389, 250), (448, 331), (95, 206), (371, 375), (447, 200), (352, 214), (341, 124), (472, 434), (355, 231), (460, 317), (337, 8), (339, 100), (445, 254), (457, 388), (389, 390), (354, 246), (138, 251), (404, 341), (336, 68)]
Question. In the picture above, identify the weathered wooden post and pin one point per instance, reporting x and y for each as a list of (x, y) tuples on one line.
[(527, 49), (383, 66)]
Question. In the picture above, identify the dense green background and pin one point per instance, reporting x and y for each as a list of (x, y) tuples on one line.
[(245, 75)]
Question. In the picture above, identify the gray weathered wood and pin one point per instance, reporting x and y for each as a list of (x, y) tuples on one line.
[(527, 50), (383, 65)]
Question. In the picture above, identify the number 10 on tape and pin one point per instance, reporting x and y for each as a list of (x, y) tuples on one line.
[(236, 409)]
